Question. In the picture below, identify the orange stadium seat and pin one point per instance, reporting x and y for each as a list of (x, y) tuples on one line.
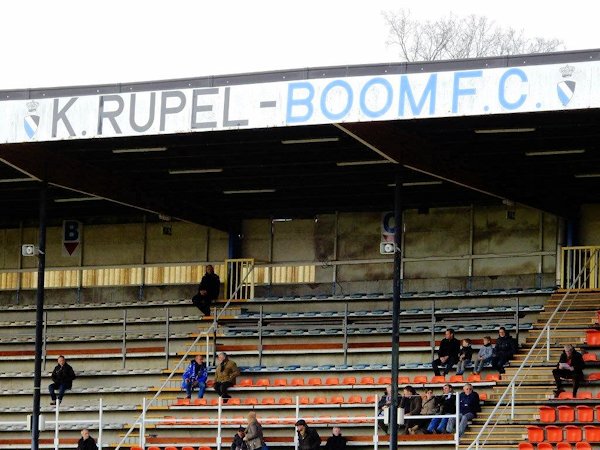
[(492, 377), (370, 399), (245, 382), (588, 357), (594, 376), (474, 378), (584, 413), (457, 379), (262, 382), (367, 380), (592, 433), (583, 446), (483, 396), (286, 401), (337, 399), (355, 399), (526, 446), (420, 379), (182, 401), (204, 448), (592, 337), (214, 401), (297, 382), (170, 448), (149, 448), (280, 382), (304, 400), (544, 446), (349, 380), (187, 448), (573, 433), (332, 381), (554, 433), (314, 381), (438, 379), (250, 401), (597, 409), (547, 414), (566, 413), (319, 400), (402, 380), (535, 434), (384, 379), (234, 402), (268, 401), (565, 395), (199, 402), (563, 446), (582, 395)]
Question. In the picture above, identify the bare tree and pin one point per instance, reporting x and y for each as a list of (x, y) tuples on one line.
[(453, 37)]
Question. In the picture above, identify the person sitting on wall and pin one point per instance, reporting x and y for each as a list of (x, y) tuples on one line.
[(225, 375), (570, 366), (447, 353), (195, 376), (208, 291), (62, 377), (505, 349)]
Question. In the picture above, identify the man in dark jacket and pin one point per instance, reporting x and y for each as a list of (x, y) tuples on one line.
[(570, 366), (308, 438), (336, 441), (86, 442), (447, 353), (504, 351), (469, 405), (62, 376), (207, 291), (238, 440)]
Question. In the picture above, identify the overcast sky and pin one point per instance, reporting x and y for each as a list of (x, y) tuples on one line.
[(70, 42)]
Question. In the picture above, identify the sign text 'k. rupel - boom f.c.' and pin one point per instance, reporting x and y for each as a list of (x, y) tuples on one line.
[(305, 102)]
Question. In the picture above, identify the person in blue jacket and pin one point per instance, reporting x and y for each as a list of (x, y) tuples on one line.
[(195, 376)]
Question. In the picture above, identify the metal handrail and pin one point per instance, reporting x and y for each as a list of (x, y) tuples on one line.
[(205, 334), (511, 386)]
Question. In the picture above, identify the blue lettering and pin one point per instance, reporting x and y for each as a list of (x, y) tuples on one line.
[(502, 88), (458, 91), (406, 92), (305, 102), (336, 116), (363, 94)]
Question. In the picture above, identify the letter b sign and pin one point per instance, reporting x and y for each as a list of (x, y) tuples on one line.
[(71, 236)]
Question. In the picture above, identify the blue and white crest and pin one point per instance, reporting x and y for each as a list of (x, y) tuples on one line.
[(31, 121), (565, 90)]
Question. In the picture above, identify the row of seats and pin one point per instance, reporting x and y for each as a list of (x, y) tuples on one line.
[(559, 446), (569, 433), (564, 413), (581, 395)]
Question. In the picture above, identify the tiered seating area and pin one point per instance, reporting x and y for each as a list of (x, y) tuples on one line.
[(305, 350), (542, 421)]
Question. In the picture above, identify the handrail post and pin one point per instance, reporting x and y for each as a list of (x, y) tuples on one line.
[(219, 418), (457, 424), (260, 335), (375, 424), (345, 326), (56, 419), (124, 342), (512, 400), (548, 341), (168, 331), (143, 425), (100, 414), (45, 340), (297, 417)]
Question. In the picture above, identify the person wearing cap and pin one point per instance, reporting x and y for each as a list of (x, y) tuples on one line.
[(308, 438), (254, 434), (238, 440), (336, 441)]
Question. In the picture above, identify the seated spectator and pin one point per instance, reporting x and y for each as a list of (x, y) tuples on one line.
[(308, 438), (411, 403), (484, 356), (225, 375), (195, 376), (570, 366), (429, 408), (336, 441), (465, 355), (504, 351), (383, 407), (86, 442), (207, 291), (238, 440), (447, 353), (469, 405), (447, 405), (62, 377)]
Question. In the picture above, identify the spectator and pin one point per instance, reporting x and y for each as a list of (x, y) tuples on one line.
[(86, 442), (336, 441), (447, 405), (238, 440), (225, 375), (62, 377), (308, 438), (411, 403), (465, 355), (383, 407), (195, 376), (447, 353), (469, 405), (505, 349), (570, 366), (207, 291), (484, 356), (430, 407), (254, 434)]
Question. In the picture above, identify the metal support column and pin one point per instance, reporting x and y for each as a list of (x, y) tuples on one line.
[(39, 322), (396, 312)]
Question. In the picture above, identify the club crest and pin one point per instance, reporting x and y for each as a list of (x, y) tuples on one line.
[(566, 89), (31, 121)]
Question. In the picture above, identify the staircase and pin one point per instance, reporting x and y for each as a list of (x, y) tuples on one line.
[(537, 382)]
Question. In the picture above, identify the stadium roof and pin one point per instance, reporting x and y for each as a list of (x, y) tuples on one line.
[(546, 159)]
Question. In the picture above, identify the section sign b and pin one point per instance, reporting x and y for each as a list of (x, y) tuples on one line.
[(71, 237)]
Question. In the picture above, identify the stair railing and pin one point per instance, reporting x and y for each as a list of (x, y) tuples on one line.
[(543, 340), (241, 285)]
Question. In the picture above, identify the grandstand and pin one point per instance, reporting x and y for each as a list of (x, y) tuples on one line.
[(491, 167)]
